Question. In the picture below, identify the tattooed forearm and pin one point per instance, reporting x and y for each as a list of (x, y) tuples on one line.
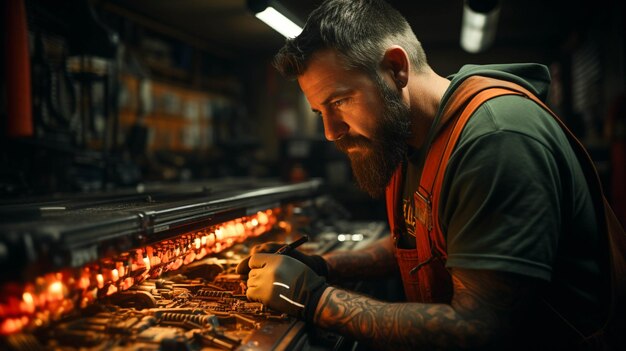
[(394, 326), (477, 318), (375, 261)]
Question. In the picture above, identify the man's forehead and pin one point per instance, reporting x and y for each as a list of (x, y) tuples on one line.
[(320, 69), (325, 70)]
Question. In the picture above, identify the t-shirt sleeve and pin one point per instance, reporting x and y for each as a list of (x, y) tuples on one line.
[(500, 204)]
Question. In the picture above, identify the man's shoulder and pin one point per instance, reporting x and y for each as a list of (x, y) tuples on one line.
[(514, 114)]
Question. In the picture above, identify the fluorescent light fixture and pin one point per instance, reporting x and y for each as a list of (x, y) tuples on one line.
[(480, 20), (279, 22), (275, 15)]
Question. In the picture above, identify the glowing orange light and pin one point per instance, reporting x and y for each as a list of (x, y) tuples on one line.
[(203, 252), (55, 291), (115, 275), (120, 269), (12, 325), (29, 302), (240, 229), (48, 297), (177, 264), (83, 282), (230, 230), (191, 256), (127, 283), (263, 219), (112, 290)]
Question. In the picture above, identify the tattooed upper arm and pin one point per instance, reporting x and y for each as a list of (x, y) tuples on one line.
[(479, 316), (491, 300)]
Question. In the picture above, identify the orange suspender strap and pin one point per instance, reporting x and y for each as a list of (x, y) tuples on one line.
[(392, 195), (453, 107), (430, 240)]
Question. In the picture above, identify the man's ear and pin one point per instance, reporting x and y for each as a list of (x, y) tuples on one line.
[(396, 63)]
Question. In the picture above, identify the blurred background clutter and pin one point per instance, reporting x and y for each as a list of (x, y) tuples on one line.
[(108, 94)]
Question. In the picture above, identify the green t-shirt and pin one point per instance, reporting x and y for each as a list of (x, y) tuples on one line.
[(514, 199)]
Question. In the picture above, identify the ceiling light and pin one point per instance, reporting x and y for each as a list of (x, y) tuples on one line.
[(276, 16), (480, 20)]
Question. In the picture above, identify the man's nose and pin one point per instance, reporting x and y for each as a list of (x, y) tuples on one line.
[(334, 128)]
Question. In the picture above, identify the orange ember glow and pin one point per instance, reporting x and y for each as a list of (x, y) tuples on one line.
[(44, 299), (115, 275)]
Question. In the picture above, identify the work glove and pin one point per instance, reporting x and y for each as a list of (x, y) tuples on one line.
[(284, 284), (316, 262)]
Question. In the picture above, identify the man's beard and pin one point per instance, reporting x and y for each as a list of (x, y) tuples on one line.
[(383, 153)]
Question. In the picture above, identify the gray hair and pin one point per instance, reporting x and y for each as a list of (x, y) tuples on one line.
[(359, 30)]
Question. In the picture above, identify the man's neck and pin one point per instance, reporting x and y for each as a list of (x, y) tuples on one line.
[(426, 89)]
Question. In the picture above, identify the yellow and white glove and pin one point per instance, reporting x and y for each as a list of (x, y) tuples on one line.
[(316, 262), (284, 284)]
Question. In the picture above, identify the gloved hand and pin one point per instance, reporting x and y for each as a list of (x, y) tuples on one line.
[(315, 262), (285, 284)]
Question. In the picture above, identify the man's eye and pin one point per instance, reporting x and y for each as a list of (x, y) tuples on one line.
[(339, 102)]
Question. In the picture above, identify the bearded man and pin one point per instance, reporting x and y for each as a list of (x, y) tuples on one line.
[(507, 252)]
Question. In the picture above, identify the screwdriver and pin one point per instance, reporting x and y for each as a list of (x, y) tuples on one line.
[(286, 249)]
